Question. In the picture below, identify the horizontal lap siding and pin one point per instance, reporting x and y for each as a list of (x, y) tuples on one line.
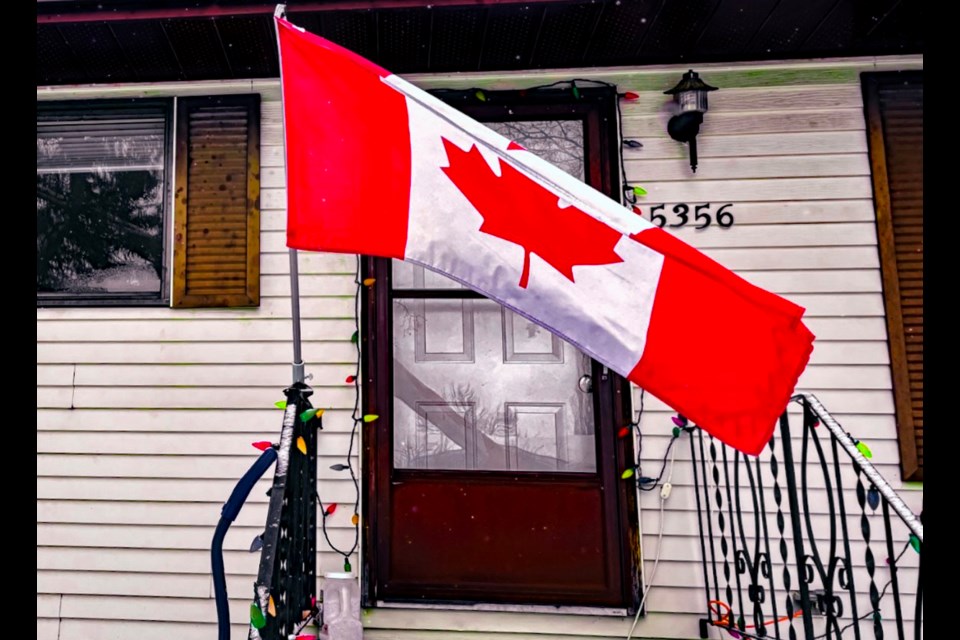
[(793, 161), (146, 415), (799, 180), (144, 424)]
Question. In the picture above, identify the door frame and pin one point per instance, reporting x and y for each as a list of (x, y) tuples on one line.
[(599, 110)]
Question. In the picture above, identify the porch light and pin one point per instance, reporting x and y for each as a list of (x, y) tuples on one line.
[(691, 96)]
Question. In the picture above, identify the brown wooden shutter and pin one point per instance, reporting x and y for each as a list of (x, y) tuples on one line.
[(216, 260), (894, 104)]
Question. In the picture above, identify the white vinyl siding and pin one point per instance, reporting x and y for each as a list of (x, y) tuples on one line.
[(145, 422), (795, 165), (145, 416)]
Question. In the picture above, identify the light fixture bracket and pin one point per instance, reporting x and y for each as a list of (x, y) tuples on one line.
[(691, 96)]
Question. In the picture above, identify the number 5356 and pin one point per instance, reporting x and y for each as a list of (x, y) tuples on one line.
[(701, 216)]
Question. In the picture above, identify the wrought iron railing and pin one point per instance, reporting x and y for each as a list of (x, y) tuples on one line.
[(806, 541)]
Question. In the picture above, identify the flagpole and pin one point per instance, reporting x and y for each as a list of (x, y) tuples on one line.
[(298, 372), (297, 364)]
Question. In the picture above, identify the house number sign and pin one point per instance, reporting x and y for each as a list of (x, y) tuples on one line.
[(700, 216)]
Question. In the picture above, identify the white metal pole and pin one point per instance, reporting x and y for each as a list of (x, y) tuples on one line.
[(298, 367)]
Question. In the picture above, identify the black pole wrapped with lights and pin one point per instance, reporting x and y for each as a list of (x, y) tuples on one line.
[(691, 95)]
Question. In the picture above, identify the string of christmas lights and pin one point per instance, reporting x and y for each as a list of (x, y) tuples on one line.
[(358, 420), (630, 194)]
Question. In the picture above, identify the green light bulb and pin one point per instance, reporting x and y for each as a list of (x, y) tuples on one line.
[(915, 542), (864, 449), (257, 621)]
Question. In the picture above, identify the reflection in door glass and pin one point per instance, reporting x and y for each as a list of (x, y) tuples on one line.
[(479, 387)]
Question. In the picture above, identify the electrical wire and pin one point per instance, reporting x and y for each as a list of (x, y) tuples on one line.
[(664, 494), (723, 620), (646, 487), (358, 418), (357, 421), (625, 191), (650, 486)]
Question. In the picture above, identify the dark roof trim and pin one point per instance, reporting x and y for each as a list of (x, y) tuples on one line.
[(59, 12)]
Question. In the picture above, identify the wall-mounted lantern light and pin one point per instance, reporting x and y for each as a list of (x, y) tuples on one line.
[(691, 96)]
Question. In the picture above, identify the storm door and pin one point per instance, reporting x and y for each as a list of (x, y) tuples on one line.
[(492, 475)]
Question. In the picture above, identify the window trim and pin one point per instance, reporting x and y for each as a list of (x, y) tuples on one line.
[(125, 299), (613, 396), (910, 468)]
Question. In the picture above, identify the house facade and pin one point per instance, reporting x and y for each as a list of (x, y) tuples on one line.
[(164, 327)]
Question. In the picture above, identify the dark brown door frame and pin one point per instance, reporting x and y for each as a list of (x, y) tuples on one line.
[(597, 108)]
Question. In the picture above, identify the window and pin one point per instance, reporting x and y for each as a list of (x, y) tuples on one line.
[(492, 475), (106, 222), (101, 186), (894, 106)]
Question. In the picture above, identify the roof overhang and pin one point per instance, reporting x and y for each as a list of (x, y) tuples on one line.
[(83, 42)]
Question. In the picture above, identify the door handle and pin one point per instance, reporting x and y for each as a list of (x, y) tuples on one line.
[(585, 383)]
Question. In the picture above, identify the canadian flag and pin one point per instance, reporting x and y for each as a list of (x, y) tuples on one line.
[(379, 167)]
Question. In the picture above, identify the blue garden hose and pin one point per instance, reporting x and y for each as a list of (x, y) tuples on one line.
[(229, 513)]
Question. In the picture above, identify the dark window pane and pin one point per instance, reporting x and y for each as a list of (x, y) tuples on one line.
[(100, 186), (99, 232)]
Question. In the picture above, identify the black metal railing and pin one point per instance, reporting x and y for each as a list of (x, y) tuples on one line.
[(806, 541)]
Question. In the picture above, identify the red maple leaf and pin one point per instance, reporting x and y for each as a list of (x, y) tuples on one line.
[(521, 211)]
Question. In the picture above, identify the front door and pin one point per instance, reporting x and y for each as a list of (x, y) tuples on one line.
[(495, 462)]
